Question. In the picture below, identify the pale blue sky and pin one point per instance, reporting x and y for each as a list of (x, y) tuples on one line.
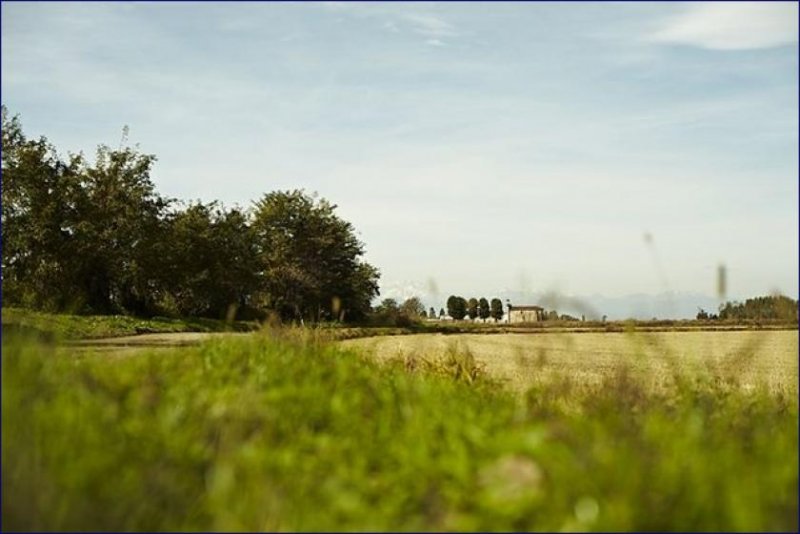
[(484, 147)]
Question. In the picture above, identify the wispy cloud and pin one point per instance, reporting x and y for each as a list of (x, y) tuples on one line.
[(733, 26), (430, 25), (336, 5), (539, 133)]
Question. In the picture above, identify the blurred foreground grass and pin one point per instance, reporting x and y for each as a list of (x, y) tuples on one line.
[(278, 433)]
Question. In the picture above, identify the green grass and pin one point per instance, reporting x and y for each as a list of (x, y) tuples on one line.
[(68, 327), (273, 433)]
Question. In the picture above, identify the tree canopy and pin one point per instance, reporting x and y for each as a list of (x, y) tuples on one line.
[(472, 308), (483, 309), (456, 307), (309, 259), (496, 309), (99, 238), (413, 307), (774, 307), (78, 236)]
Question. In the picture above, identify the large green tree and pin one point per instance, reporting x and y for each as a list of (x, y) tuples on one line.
[(472, 308), (361, 287), (483, 309), (97, 237), (77, 236), (412, 307), (496, 309), (40, 200), (388, 306), (456, 307), (309, 259), (121, 233), (212, 261)]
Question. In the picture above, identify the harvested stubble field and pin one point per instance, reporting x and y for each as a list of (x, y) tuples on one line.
[(743, 358)]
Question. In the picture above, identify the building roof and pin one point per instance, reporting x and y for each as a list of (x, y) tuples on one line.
[(527, 308)]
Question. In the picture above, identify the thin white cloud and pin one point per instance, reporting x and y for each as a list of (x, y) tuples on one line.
[(430, 25), (291, 37), (733, 26), (336, 5), (529, 150)]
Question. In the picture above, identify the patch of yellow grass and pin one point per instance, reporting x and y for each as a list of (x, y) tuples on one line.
[(742, 359)]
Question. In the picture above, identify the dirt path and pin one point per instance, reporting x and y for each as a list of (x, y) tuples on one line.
[(131, 344)]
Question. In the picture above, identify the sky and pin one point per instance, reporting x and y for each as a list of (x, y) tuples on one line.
[(604, 149)]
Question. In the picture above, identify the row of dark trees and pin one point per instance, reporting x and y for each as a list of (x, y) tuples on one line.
[(389, 311), (459, 307), (98, 238), (770, 308)]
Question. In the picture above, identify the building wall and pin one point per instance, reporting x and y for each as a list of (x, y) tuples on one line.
[(524, 316)]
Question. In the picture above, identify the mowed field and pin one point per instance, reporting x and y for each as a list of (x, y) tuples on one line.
[(745, 359)]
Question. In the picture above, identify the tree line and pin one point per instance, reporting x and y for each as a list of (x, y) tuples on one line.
[(389, 311), (459, 307), (98, 238), (771, 308)]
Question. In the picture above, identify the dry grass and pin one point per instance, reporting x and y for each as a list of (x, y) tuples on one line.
[(744, 359)]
